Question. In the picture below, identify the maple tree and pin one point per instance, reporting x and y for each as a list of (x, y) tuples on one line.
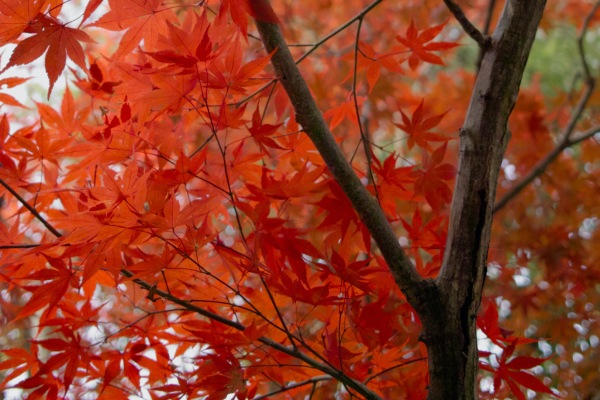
[(298, 200)]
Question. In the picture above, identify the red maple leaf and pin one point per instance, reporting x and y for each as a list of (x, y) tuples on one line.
[(56, 282), (9, 83), (60, 42), (238, 10), (430, 180), (488, 323), (68, 350), (261, 133), (510, 371), (345, 110), (421, 234), (16, 17), (420, 49), (143, 20), (371, 61), (418, 128)]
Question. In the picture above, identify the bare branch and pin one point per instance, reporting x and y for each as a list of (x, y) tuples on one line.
[(316, 45), (576, 139), (291, 351), (565, 140), (468, 27), (311, 119), (488, 17), (283, 389), (483, 140), (581, 38), (18, 246), (30, 209)]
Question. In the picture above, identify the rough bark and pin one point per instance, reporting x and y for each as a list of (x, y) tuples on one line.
[(451, 336), (447, 306)]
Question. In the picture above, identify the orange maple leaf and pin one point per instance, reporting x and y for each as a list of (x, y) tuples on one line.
[(262, 133), (372, 62), (510, 370), (421, 50), (9, 83), (16, 17), (57, 280), (430, 180), (143, 20), (59, 40), (345, 110), (238, 10), (418, 128)]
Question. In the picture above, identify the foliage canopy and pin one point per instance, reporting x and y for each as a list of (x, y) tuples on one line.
[(172, 227)]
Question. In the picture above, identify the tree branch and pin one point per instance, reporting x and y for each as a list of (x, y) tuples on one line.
[(581, 38), (449, 328), (30, 209), (468, 27), (385, 371), (565, 140), (18, 246), (291, 351), (316, 45), (364, 137), (576, 139), (294, 352), (311, 119), (283, 389), (488, 17)]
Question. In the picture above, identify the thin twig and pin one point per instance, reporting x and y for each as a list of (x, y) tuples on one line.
[(488, 18), (576, 139), (128, 325), (363, 134), (543, 164), (291, 386), (486, 31), (19, 246), (294, 352), (30, 209), (565, 140), (581, 38), (394, 367), (468, 27), (316, 45)]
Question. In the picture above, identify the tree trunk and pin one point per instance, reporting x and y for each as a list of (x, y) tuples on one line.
[(450, 328), (447, 306)]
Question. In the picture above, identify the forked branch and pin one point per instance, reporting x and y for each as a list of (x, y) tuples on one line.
[(311, 119), (291, 351), (468, 27), (294, 352)]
